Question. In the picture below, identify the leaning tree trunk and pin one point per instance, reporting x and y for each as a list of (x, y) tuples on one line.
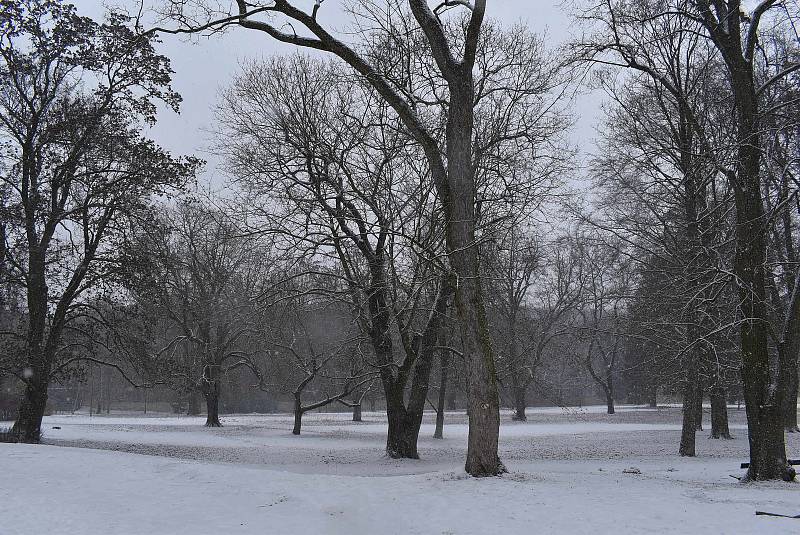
[(719, 413)]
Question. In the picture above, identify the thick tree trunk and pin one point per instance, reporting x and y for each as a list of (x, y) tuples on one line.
[(520, 402), (212, 406), (444, 362), (27, 426), (719, 413), (401, 440), (357, 412)]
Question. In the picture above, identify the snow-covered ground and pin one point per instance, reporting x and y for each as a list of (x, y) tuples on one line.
[(170, 475)]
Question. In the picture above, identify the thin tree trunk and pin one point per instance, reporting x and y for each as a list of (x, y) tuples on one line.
[(790, 401), (698, 407), (444, 363), (719, 413), (689, 426), (610, 390)]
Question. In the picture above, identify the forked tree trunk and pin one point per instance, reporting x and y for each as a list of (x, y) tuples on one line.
[(719, 413), (401, 439)]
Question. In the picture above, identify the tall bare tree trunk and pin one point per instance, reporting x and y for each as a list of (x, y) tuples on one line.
[(463, 251), (763, 401)]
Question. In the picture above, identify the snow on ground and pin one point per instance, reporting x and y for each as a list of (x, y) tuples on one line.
[(252, 476)]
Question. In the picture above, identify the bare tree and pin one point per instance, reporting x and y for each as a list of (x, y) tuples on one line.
[(190, 272), (451, 46)]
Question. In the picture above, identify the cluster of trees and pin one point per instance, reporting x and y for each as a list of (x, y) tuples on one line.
[(401, 202)]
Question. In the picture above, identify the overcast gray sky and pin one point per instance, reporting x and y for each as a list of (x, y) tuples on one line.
[(204, 65)]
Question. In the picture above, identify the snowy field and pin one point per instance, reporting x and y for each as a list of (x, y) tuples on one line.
[(569, 473)]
